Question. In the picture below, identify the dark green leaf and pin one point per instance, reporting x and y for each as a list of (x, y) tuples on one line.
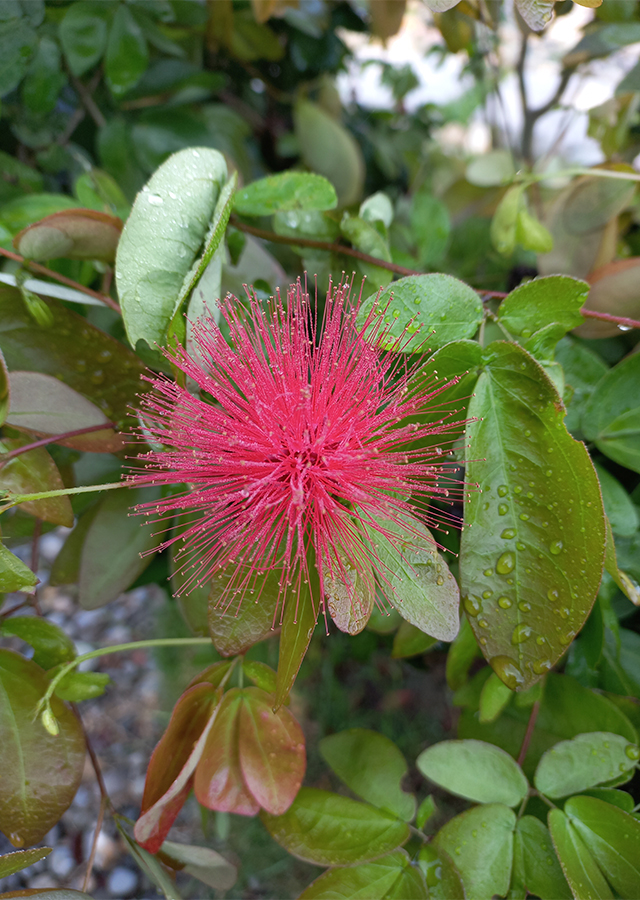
[(480, 841), (532, 548), (235, 624), (83, 34), (583, 762), (579, 867), (34, 472), (432, 309), (474, 770), (621, 512), (611, 417), (66, 566), (286, 191), (365, 237), (613, 837), (15, 862), (625, 582), (372, 767), (41, 772), (430, 227), (14, 575), (17, 44), (127, 54), (410, 641), (542, 874), (583, 369), (330, 830), (50, 644), (44, 79), (17, 214), (298, 625), (462, 653), (390, 876), (494, 697)]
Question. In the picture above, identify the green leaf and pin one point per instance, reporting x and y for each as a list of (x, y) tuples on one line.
[(73, 234), (532, 548), (391, 876), (625, 582), (613, 837), (480, 841), (127, 55), (97, 190), (73, 351), (434, 309), (494, 697), (443, 878), (77, 686), (298, 625), (583, 369), (505, 218), (618, 506), (17, 214), (14, 575), (330, 830), (50, 644), (202, 863), (235, 625), (365, 237), (41, 772), (417, 581), (372, 766), (44, 79), (474, 770), (410, 641), (17, 44), (111, 559), (583, 762), (34, 472), (532, 234), (150, 865), (66, 566), (462, 653), (15, 862), (492, 169), (541, 871), (426, 809), (528, 311), (430, 227), (169, 221), (611, 417), (83, 34), (262, 675), (580, 869), (610, 795), (286, 191)]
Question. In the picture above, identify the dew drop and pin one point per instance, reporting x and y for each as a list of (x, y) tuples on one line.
[(508, 671), (521, 546), (439, 580), (503, 509), (632, 751), (504, 603), (524, 516), (521, 633), (503, 490), (16, 839), (523, 606), (488, 573), (487, 594), (541, 666), (155, 199), (553, 595), (505, 564), (555, 547), (508, 534), (97, 377), (472, 605), (517, 489), (549, 473), (565, 639), (483, 623)]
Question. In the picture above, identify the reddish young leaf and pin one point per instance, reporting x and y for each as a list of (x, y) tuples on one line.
[(40, 772), (218, 782), (170, 772), (213, 674), (234, 628), (272, 751)]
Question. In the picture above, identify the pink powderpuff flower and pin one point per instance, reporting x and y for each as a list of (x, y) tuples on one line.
[(305, 437)]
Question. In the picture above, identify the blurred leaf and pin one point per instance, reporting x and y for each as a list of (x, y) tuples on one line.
[(66, 566), (536, 13), (481, 843), (611, 417), (532, 234), (44, 79), (23, 211), (494, 697), (618, 506), (330, 150), (330, 830), (50, 644), (202, 863), (612, 836), (83, 34), (72, 233), (43, 405), (176, 207), (425, 811), (584, 762), (542, 874), (41, 772), (262, 675), (530, 570), (14, 575), (505, 219), (579, 867), (435, 308), (77, 686), (583, 369), (235, 624), (286, 191), (34, 472), (430, 227), (150, 865), (111, 553), (410, 641), (365, 237), (372, 766), (17, 44), (390, 876), (98, 190), (477, 771), (491, 169), (613, 291), (21, 859), (127, 54), (462, 653)]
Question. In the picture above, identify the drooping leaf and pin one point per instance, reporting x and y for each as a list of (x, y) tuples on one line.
[(237, 623), (15, 862), (428, 310), (532, 547), (584, 762), (202, 863), (14, 574), (35, 472), (50, 644), (613, 837), (349, 589), (541, 872), (390, 876), (286, 191), (41, 772), (300, 618), (580, 869), (611, 418), (372, 766), (480, 841), (474, 770), (111, 560), (330, 830), (77, 686), (72, 233)]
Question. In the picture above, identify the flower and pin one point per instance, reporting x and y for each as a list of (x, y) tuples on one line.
[(305, 438)]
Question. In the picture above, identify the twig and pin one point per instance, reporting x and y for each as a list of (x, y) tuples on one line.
[(94, 843), (35, 556), (322, 245), (535, 709), (88, 102), (607, 317), (42, 270), (105, 800), (52, 439)]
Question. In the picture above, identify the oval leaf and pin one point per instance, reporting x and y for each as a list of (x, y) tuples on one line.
[(330, 830), (51, 645), (286, 191), (532, 548), (583, 762), (235, 626), (72, 233), (34, 472), (14, 574), (390, 876)]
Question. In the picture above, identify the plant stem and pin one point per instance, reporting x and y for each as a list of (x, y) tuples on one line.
[(12, 500), (52, 439), (42, 270), (531, 724)]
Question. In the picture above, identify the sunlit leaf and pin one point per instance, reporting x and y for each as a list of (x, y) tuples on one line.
[(286, 191)]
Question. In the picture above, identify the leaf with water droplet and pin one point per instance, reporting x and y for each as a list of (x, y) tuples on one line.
[(535, 861), (578, 865), (585, 761), (392, 876), (557, 522)]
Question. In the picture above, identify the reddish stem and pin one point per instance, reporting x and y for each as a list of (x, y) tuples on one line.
[(535, 709), (42, 270), (607, 317), (52, 439)]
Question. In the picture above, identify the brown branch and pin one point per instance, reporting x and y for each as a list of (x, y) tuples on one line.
[(607, 317), (322, 245), (52, 439), (87, 100), (105, 800), (94, 843), (42, 270), (535, 709)]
